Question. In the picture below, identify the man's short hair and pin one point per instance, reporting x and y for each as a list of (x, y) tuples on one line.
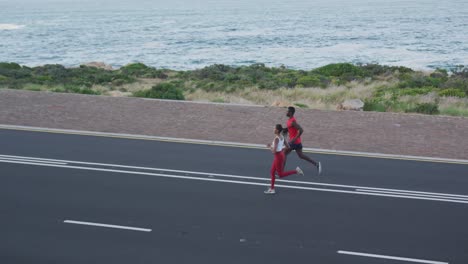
[(292, 110)]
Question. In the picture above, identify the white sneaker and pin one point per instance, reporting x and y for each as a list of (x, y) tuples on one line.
[(270, 191), (299, 171), (319, 168), (276, 175)]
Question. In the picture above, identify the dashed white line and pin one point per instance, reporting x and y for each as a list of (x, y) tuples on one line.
[(108, 226), (390, 257)]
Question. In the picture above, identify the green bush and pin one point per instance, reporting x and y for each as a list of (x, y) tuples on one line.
[(268, 85), (55, 72), (85, 75), (425, 108), (287, 82), (374, 105), (135, 69), (12, 75), (218, 100), (11, 70), (75, 89), (419, 80), (86, 91), (141, 70), (162, 91), (413, 91), (454, 111), (344, 70), (15, 84), (373, 70), (309, 81), (33, 88), (230, 77), (42, 79), (457, 83), (452, 92), (301, 105), (440, 74), (216, 72), (9, 66)]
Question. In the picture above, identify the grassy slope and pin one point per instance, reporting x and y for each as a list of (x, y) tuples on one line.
[(382, 88)]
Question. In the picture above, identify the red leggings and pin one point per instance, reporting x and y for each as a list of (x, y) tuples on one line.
[(278, 163)]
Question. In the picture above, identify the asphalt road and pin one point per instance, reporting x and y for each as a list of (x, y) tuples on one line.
[(86, 199)]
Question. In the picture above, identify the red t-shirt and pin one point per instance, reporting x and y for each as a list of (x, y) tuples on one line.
[(293, 131)]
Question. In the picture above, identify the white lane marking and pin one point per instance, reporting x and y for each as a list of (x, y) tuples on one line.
[(106, 225), (30, 160), (401, 193), (412, 197), (362, 188), (239, 182), (414, 194), (230, 144), (150, 168), (241, 177), (390, 257)]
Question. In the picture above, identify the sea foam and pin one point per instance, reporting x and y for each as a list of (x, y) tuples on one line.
[(10, 26)]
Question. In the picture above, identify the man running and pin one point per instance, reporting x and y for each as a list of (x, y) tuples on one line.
[(295, 142)]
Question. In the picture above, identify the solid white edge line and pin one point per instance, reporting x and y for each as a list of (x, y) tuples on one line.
[(145, 168), (410, 197), (33, 160), (241, 182), (233, 144), (106, 225), (390, 257), (414, 194), (364, 188)]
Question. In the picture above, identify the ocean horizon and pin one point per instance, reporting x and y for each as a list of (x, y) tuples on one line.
[(184, 35)]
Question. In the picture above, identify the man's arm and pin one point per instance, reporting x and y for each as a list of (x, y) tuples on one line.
[(299, 128)]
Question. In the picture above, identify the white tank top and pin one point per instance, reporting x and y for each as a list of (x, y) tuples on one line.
[(280, 146)]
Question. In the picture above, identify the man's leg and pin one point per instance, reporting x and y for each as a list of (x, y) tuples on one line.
[(305, 157)]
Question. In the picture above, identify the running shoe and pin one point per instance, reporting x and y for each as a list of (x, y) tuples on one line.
[(299, 171), (319, 168), (270, 191)]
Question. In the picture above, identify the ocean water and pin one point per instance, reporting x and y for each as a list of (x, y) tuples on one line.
[(190, 34)]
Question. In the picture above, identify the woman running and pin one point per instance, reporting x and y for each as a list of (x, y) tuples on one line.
[(276, 147)]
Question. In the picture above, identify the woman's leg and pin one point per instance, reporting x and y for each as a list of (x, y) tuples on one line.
[(280, 156), (272, 172)]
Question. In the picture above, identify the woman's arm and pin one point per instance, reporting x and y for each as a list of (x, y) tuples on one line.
[(275, 145)]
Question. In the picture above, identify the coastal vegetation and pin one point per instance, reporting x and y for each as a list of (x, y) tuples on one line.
[(381, 88)]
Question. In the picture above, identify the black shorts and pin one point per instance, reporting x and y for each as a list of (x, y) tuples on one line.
[(295, 146)]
